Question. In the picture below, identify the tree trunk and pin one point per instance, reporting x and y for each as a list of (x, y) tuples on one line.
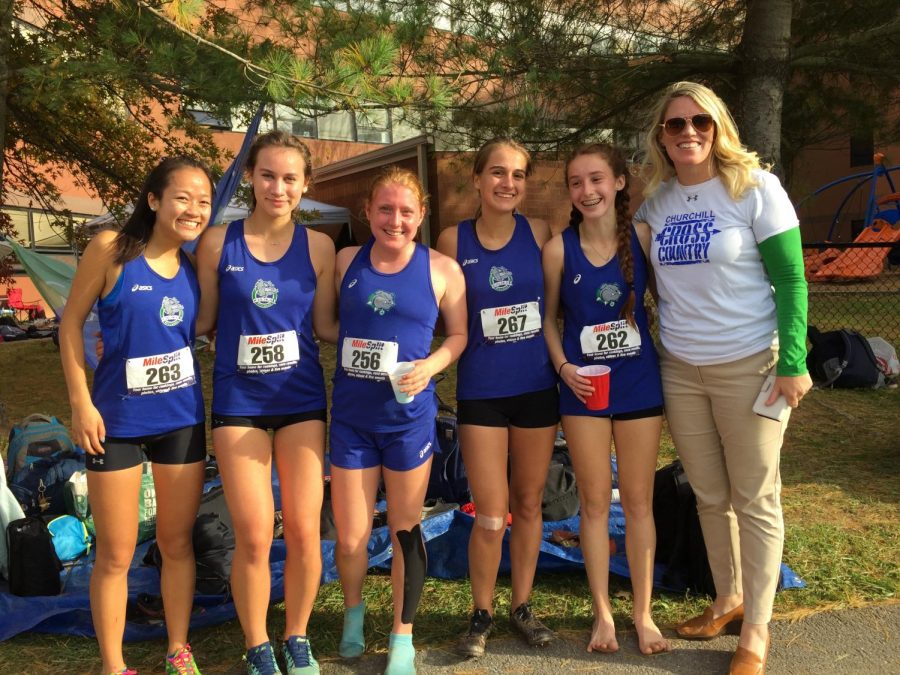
[(6, 14), (764, 52)]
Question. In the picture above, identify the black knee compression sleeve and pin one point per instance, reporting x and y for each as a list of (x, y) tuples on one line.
[(414, 564)]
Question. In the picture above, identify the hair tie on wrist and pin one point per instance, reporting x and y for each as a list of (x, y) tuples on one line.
[(559, 371)]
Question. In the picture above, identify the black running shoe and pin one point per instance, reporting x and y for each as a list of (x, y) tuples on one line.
[(472, 643), (535, 633)]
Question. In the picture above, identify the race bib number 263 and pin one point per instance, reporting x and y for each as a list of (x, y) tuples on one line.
[(159, 373)]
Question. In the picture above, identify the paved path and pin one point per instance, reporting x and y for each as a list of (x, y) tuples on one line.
[(856, 642)]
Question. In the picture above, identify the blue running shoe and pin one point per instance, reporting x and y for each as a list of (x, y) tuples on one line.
[(298, 656), (261, 660)]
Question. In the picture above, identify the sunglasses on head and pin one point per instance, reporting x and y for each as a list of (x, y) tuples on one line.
[(702, 122)]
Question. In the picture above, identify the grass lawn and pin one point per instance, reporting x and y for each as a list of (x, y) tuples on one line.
[(841, 492)]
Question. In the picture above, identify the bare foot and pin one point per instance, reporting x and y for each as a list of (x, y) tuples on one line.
[(603, 636), (650, 639)]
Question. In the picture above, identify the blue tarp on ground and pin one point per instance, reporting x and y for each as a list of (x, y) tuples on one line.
[(446, 534)]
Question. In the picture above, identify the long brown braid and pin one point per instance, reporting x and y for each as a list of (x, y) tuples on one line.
[(616, 160)]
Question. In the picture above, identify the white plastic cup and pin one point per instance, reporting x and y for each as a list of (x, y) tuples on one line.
[(401, 369)]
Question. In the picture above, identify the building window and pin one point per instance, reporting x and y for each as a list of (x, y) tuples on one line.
[(337, 126), (373, 126), (298, 123), (366, 126), (207, 119), (41, 230), (862, 148)]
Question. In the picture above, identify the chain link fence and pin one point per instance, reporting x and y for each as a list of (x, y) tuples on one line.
[(855, 286)]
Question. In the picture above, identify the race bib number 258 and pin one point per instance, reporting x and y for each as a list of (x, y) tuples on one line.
[(264, 354)]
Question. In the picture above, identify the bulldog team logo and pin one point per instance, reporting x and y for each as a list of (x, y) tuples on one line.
[(171, 312), (609, 294), (264, 294), (381, 302), (501, 279)]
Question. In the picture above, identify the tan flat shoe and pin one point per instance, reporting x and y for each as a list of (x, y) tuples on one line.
[(745, 662), (706, 626)]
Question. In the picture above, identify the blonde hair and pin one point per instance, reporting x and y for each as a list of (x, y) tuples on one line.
[(395, 174), (733, 163)]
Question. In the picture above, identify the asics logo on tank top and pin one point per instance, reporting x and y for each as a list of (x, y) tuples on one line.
[(381, 302), (171, 312), (501, 279), (351, 284), (469, 261), (264, 294), (577, 279), (234, 268), (609, 294), (685, 238), (140, 287)]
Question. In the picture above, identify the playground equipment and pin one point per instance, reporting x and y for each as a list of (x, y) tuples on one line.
[(881, 228)]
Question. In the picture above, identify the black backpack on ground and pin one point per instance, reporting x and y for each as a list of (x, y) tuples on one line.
[(213, 550), (560, 490), (213, 545), (679, 539), (33, 564), (448, 480), (842, 358)]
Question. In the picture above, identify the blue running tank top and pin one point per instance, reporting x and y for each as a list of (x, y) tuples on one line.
[(506, 354), (385, 319), (267, 360), (148, 382), (591, 299)]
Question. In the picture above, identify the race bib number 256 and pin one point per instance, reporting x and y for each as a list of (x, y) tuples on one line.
[(368, 359)]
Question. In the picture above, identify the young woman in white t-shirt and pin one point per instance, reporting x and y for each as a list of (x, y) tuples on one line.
[(724, 233)]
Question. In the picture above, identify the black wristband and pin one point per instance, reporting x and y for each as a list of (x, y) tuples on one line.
[(559, 370)]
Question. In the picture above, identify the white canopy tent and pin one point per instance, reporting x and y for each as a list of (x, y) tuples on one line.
[(329, 220)]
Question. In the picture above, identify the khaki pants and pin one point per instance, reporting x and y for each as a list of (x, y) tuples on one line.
[(731, 458)]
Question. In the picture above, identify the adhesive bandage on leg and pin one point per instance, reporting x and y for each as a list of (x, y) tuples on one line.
[(414, 564), (489, 522)]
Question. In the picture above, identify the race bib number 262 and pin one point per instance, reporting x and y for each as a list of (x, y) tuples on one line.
[(610, 340)]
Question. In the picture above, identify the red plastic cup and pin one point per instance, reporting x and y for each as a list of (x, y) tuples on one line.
[(599, 377)]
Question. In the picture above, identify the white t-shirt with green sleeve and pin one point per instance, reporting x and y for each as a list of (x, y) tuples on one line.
[(716, 303)]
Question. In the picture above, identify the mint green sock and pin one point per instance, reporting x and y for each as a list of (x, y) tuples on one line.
[(353, 643), (401, 659)]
